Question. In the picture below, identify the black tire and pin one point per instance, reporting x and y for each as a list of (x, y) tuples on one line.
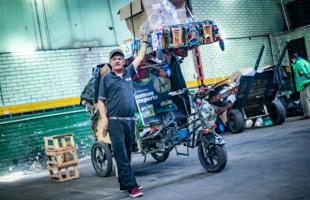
[(160, 156), (216, 158), (236, 122), (277, 112), (101, 158)]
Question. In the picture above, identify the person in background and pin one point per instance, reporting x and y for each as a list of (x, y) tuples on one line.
[(301, 69), (116, 106)]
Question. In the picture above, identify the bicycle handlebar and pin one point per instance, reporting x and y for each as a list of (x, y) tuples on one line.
[(178, 92)]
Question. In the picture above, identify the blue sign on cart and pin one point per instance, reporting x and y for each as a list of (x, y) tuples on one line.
[(152, 99)]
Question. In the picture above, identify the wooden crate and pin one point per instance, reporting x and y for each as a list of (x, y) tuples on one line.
[(62, 160), (59, 142), (62, 174)]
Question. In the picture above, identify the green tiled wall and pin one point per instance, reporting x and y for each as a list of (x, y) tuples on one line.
[(22, 144), (47, 75)]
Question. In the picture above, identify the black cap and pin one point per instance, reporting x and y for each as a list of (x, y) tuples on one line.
[(294, 55), (116, 51)]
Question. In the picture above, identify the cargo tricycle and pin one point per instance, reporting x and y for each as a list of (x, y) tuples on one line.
[(194, 129), (168, 114)]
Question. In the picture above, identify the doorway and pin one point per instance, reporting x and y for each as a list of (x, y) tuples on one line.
[(298, 46)]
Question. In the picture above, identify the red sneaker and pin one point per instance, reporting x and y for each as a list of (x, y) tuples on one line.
[(135, 192), (124, 190)]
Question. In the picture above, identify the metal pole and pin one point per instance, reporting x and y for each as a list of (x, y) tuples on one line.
[(285, 17), (2, 100), (271, 50), (39, 25), (198, 66), (259, 57)]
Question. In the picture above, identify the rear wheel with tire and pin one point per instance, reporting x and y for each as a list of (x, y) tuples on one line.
[(277, 112), (213, 157), (160, 156), (236, 122), (101, 158)]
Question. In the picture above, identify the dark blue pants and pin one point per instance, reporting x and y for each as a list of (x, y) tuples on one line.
[(122, 136)]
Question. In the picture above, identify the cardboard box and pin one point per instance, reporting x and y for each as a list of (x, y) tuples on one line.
[(134, 15), (138, 11)]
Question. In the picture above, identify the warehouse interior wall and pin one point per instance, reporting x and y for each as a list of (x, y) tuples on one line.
[(48, 48), (61, 24)]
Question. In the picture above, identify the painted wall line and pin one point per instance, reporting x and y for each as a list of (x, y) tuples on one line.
[(41, 117), (39, 105), (8, 110)]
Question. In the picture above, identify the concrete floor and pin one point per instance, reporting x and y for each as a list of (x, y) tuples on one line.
[(263, 163)]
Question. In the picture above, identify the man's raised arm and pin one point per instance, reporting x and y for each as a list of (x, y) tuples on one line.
[(142, 52)]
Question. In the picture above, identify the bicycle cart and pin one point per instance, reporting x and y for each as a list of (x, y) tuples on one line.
[(167, 114), (251, 96), (192, 128), (256, 98)]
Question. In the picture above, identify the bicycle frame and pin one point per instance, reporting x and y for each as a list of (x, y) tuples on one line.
[(196, 127)]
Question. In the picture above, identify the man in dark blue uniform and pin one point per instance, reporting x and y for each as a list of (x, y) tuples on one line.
[(116, 106)]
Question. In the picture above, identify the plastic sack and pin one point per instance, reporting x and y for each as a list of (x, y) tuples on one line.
[(161, 14)]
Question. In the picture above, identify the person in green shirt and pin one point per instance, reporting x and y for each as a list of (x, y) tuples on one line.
[(301, 69)]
